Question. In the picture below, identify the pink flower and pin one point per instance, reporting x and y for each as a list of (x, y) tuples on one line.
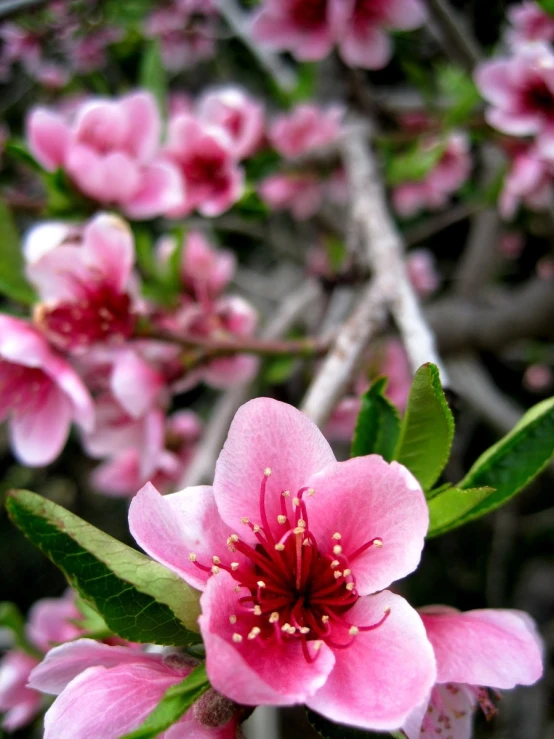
[(307, 127), (84, 282), (520, 90), (538, 378), (475, 650), (529, 23), (422, 272), (239, 114), (204, 155), (50, 622), (109, 149), (39, 392), (302, 194), (108, 691), (289, 613), (529, 181), (443, 180), (300, 26), (360, 28)]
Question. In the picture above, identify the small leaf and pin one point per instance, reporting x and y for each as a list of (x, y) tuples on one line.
[(11, 619), (427, 429), (174, 704), (511, 464), (19, 151), (413, 165), (152, 74), (378, 424), (448, 509), (329, 730), (12, 281), (139, 599)]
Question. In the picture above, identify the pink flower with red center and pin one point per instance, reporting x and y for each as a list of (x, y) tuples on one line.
[(301, 26), (294, 608), (307, 127), (520, 90), (529, 181), (84, 282), (475, 651), (239, 114), (529, 23), (108, 691), (50, 622), (40, 394), (302, 194), (204, 155), (360, 28), (441, 182), (110, 150)]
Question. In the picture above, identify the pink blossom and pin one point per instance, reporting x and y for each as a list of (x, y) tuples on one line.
[(88, 53), (529, 181), (40, 394), (286, 622), (109, 149), (440, 183), (108, 691), (476, 650), (529, 23), (300, 26), (520, 90), (204, 155), (360, 27), (422, 272), (538, 378), (51, 75), (239, 114), (20, 45), (302, 194), (307, 127), (84, 282)]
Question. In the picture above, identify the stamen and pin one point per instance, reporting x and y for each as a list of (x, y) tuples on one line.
[(267, 472), (346, 572), (311, 492), (216, 560), (337, 549), (232, 618), (334, 563), (234, 566), (192, 557), (353, 630), (279, 547), (349, 586), (237, 638), (260, 584), (301, 523), (317, 644), (215, 570), (281, 519), (337, 574), (274, 617), (325, 619), (304, 630), (257, 611), (337, 536), (377, 542), (286, 493), (244, 519), (296, 502), (254, 632)]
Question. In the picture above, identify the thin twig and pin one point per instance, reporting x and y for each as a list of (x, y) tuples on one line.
[(456, 39), (435, 224)]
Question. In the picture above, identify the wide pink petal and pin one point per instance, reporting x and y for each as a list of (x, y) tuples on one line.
[(50, 621), (363, 499), (370, 49), (161, 189), (254, 672), (48, 136), (266, 434), (85, 167), (21, 343), (119, 476), (135, 383), (495, 82), (107, 703), (404, 15), (496, 648), (109, 249), (171, 527), (22, 713), (39, 434), (450, 705), (121, 177), (143, 136), (60, 274), (76, 392), (230, 371), (517, 124), (43, 238), (383, 674), (64, 663)]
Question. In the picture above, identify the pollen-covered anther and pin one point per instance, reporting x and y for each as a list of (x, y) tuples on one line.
[(257, 611), (311, 492), (347, 572), (216, 560), (215, 570), (325, 618), (286, 493), (267, 472), (237, 638), (301, 523), (378, 543), (260, 584), (279, 547), (296, 502), (274, 617), (234, 566), (337, 574), (337, 549), (288, 629), (334, 563), (299, 530), (237, 589), (244, 519), (254, 632), (232, 618), (353, 630), (303, 629), (232, 539), (349, 586), (256, 528), (337, 536), (281, 519), (192, 557)]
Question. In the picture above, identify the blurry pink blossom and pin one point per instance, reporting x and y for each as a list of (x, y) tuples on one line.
[(302, 194), (440, 183), (88, 53), (529, 181), (40, 394), (51, 75), (305, 128), (475, 651), (529, 22), (84, 283), (238, 113), (205, 156), (422, 272), (538, 378), (109, 149)]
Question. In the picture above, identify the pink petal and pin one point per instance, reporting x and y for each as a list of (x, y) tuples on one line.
[(252, 672), (230, 371), (452, 704), (39, 435), (108, 248), (48, 136), (135, 383), (363, 499), (145, 125), (43, 238), (161, 189), (378, 680), (121, 177), (85, 167), (82, 408), (59, 275), (50, 621), (517, 124), (21, 343), (369, 50), (404, 15), (64, 663), (496, 648), (495, 82), (266, 433), (107, 703), (23, 713), (170, 527), (119, 476)]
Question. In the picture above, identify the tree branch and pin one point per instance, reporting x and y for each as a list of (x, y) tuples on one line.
[(456, 38)]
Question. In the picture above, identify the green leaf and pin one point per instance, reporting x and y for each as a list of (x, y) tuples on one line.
[(19, 151), (427, 429), (174, 704), (461, 92), (547, 6), (278, 370), (12, 281), (152, 74), (11, 619), (378, 424), (413, 165), (448, 509), (139, 599), (511, 464), (330, 730)]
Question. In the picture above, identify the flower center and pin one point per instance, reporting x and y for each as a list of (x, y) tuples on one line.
[(289, 587), (309, 15)]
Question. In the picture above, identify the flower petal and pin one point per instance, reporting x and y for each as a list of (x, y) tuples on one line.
[(377, 681), (367, 498), (108, 247), (266, 433), (48, 136), (254, 672)]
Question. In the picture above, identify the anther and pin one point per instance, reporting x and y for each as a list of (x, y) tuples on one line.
[(234, 566), (334, 563), (286, 493), (304, 630), (232, 539), (215, 570), (296, 502), (279, 547), (346, 572), (353, 630), (298, 530), (237, 588), (337, 574), (311, 492), (244, 519), (274, 617), (232, 618), (216, 560), (337, 549), (281, 519), (377, 543), (192, 557), (257, 611), (337, 536), (255, 528), (301, 523), (267, 472), (349, 586), (237, 638), (260, 584), (254, 632), (325, 619)]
